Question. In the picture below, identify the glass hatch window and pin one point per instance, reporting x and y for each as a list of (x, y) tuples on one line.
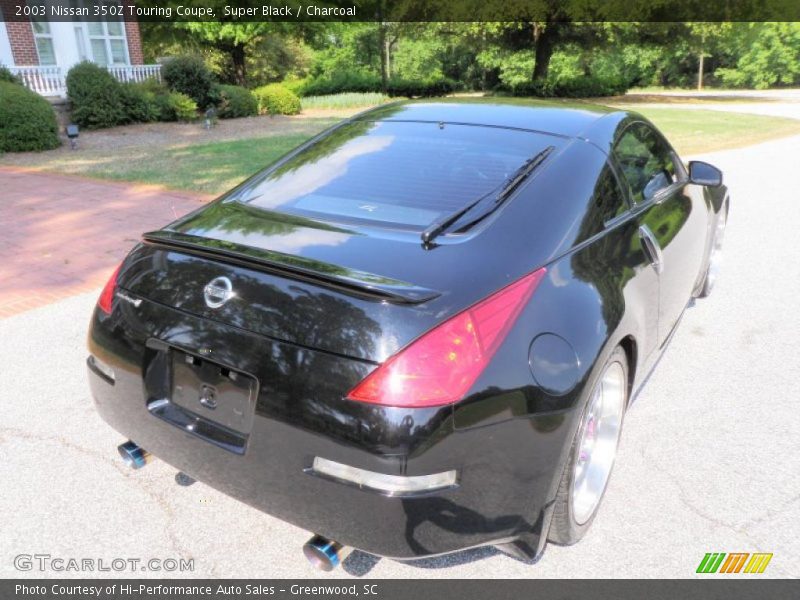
[(394, 174)]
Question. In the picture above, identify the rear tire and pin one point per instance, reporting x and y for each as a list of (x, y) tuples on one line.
[(591, 458)]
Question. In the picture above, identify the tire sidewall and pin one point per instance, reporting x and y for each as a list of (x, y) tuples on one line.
[(571, 530), (707, 288)]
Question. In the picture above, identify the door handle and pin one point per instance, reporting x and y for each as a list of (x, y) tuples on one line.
[(651, 248)]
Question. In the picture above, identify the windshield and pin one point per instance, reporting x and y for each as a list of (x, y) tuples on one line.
[(398, 174)]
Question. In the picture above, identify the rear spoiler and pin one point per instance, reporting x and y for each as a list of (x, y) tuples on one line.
[(347, 280)]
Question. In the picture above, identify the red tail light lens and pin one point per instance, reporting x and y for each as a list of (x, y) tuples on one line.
[(439, 367), (107, 295)]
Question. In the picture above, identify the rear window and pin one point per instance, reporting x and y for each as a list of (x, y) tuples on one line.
[(398, 174)]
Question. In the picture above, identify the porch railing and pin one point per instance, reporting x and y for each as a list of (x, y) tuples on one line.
[(136, 73), (51, 81), (47, 81)]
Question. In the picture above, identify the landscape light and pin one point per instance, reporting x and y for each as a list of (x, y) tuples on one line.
[(211, 115), (72, 134)]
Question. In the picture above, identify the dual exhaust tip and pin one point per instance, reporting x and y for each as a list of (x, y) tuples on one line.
[(325, 554), (322, 553), (133, 455)]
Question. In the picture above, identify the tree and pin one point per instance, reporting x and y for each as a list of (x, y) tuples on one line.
[(233, 39), (703, 37), (761, 55)]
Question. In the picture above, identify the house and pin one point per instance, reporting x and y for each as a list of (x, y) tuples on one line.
[(41, 50)]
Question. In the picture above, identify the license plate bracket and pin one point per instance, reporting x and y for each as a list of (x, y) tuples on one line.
[(201, 397), (213, 391)]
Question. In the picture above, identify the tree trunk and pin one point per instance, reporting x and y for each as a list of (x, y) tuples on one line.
[(700, 72), (384, 56), (389, 45), (544, 38), (238, 55), (700, 64)]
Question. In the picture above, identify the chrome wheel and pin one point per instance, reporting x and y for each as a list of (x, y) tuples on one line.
[(715, 260), (597, 446)]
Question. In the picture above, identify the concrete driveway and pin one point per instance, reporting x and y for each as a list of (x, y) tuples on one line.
[(771, 103), (708, 460)]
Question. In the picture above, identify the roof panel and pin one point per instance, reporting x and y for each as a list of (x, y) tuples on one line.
[(560, 118)]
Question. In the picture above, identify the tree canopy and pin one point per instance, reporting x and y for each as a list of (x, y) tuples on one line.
[(482, 56)]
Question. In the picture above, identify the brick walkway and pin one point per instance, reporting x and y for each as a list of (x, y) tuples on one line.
[(62, 235)]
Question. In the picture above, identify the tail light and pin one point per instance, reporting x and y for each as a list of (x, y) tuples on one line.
[(439, 367), (107, 295)]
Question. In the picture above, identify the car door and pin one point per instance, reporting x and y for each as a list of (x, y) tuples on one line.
[(672, 222)]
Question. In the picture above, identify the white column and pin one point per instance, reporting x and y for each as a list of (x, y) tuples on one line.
[(65, 44)]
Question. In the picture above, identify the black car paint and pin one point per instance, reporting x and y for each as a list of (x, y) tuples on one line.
[(308, 342)]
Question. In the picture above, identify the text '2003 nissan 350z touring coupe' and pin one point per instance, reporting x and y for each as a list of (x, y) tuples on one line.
[(418, 332)]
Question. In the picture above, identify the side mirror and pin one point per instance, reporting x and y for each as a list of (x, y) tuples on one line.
[(701, 173)]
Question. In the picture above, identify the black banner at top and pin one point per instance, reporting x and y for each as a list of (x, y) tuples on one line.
[(240, 11)]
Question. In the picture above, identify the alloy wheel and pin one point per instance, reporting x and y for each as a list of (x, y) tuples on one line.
[(597, 447)]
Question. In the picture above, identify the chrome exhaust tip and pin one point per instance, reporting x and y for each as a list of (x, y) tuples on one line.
[(325, 554), (133, 456)]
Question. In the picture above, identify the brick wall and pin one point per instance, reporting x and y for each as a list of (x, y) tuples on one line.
[(23, 45), (134, 42), (20, 35), (134, 38)]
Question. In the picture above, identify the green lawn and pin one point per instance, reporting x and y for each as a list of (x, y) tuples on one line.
[(214, 167), (211, 168), (699, 131), (345, 100)]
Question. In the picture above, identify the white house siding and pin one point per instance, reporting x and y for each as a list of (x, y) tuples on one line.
[(6, 57)]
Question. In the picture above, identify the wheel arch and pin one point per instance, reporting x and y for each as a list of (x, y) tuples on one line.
[(628, 344)]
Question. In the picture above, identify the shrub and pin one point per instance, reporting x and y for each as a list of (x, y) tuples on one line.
[(27, 121), (174, 106), (341, 82), (189, 75), (95, 95), (297, 85), (579, 87), (274, 99), (6, 75), (358, 82), (731, 77), (138, 103), (236, 101), (424, 89)]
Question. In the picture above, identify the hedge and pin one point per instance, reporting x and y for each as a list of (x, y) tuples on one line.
[(275, 99), (359, 82), (97, 98), (189, 75), (174, 106), (420, 89), (338, 83), (236, 101), (580, 87), (27, 121), (138, 104), (8, 76)]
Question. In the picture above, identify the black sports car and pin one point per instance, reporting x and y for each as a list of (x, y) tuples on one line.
[(418, 332)]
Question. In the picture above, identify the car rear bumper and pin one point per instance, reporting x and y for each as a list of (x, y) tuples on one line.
[(507, 471)]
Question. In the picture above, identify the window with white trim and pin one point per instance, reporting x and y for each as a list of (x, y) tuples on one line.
[(108, 42), (103, 42), (43, 37)]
